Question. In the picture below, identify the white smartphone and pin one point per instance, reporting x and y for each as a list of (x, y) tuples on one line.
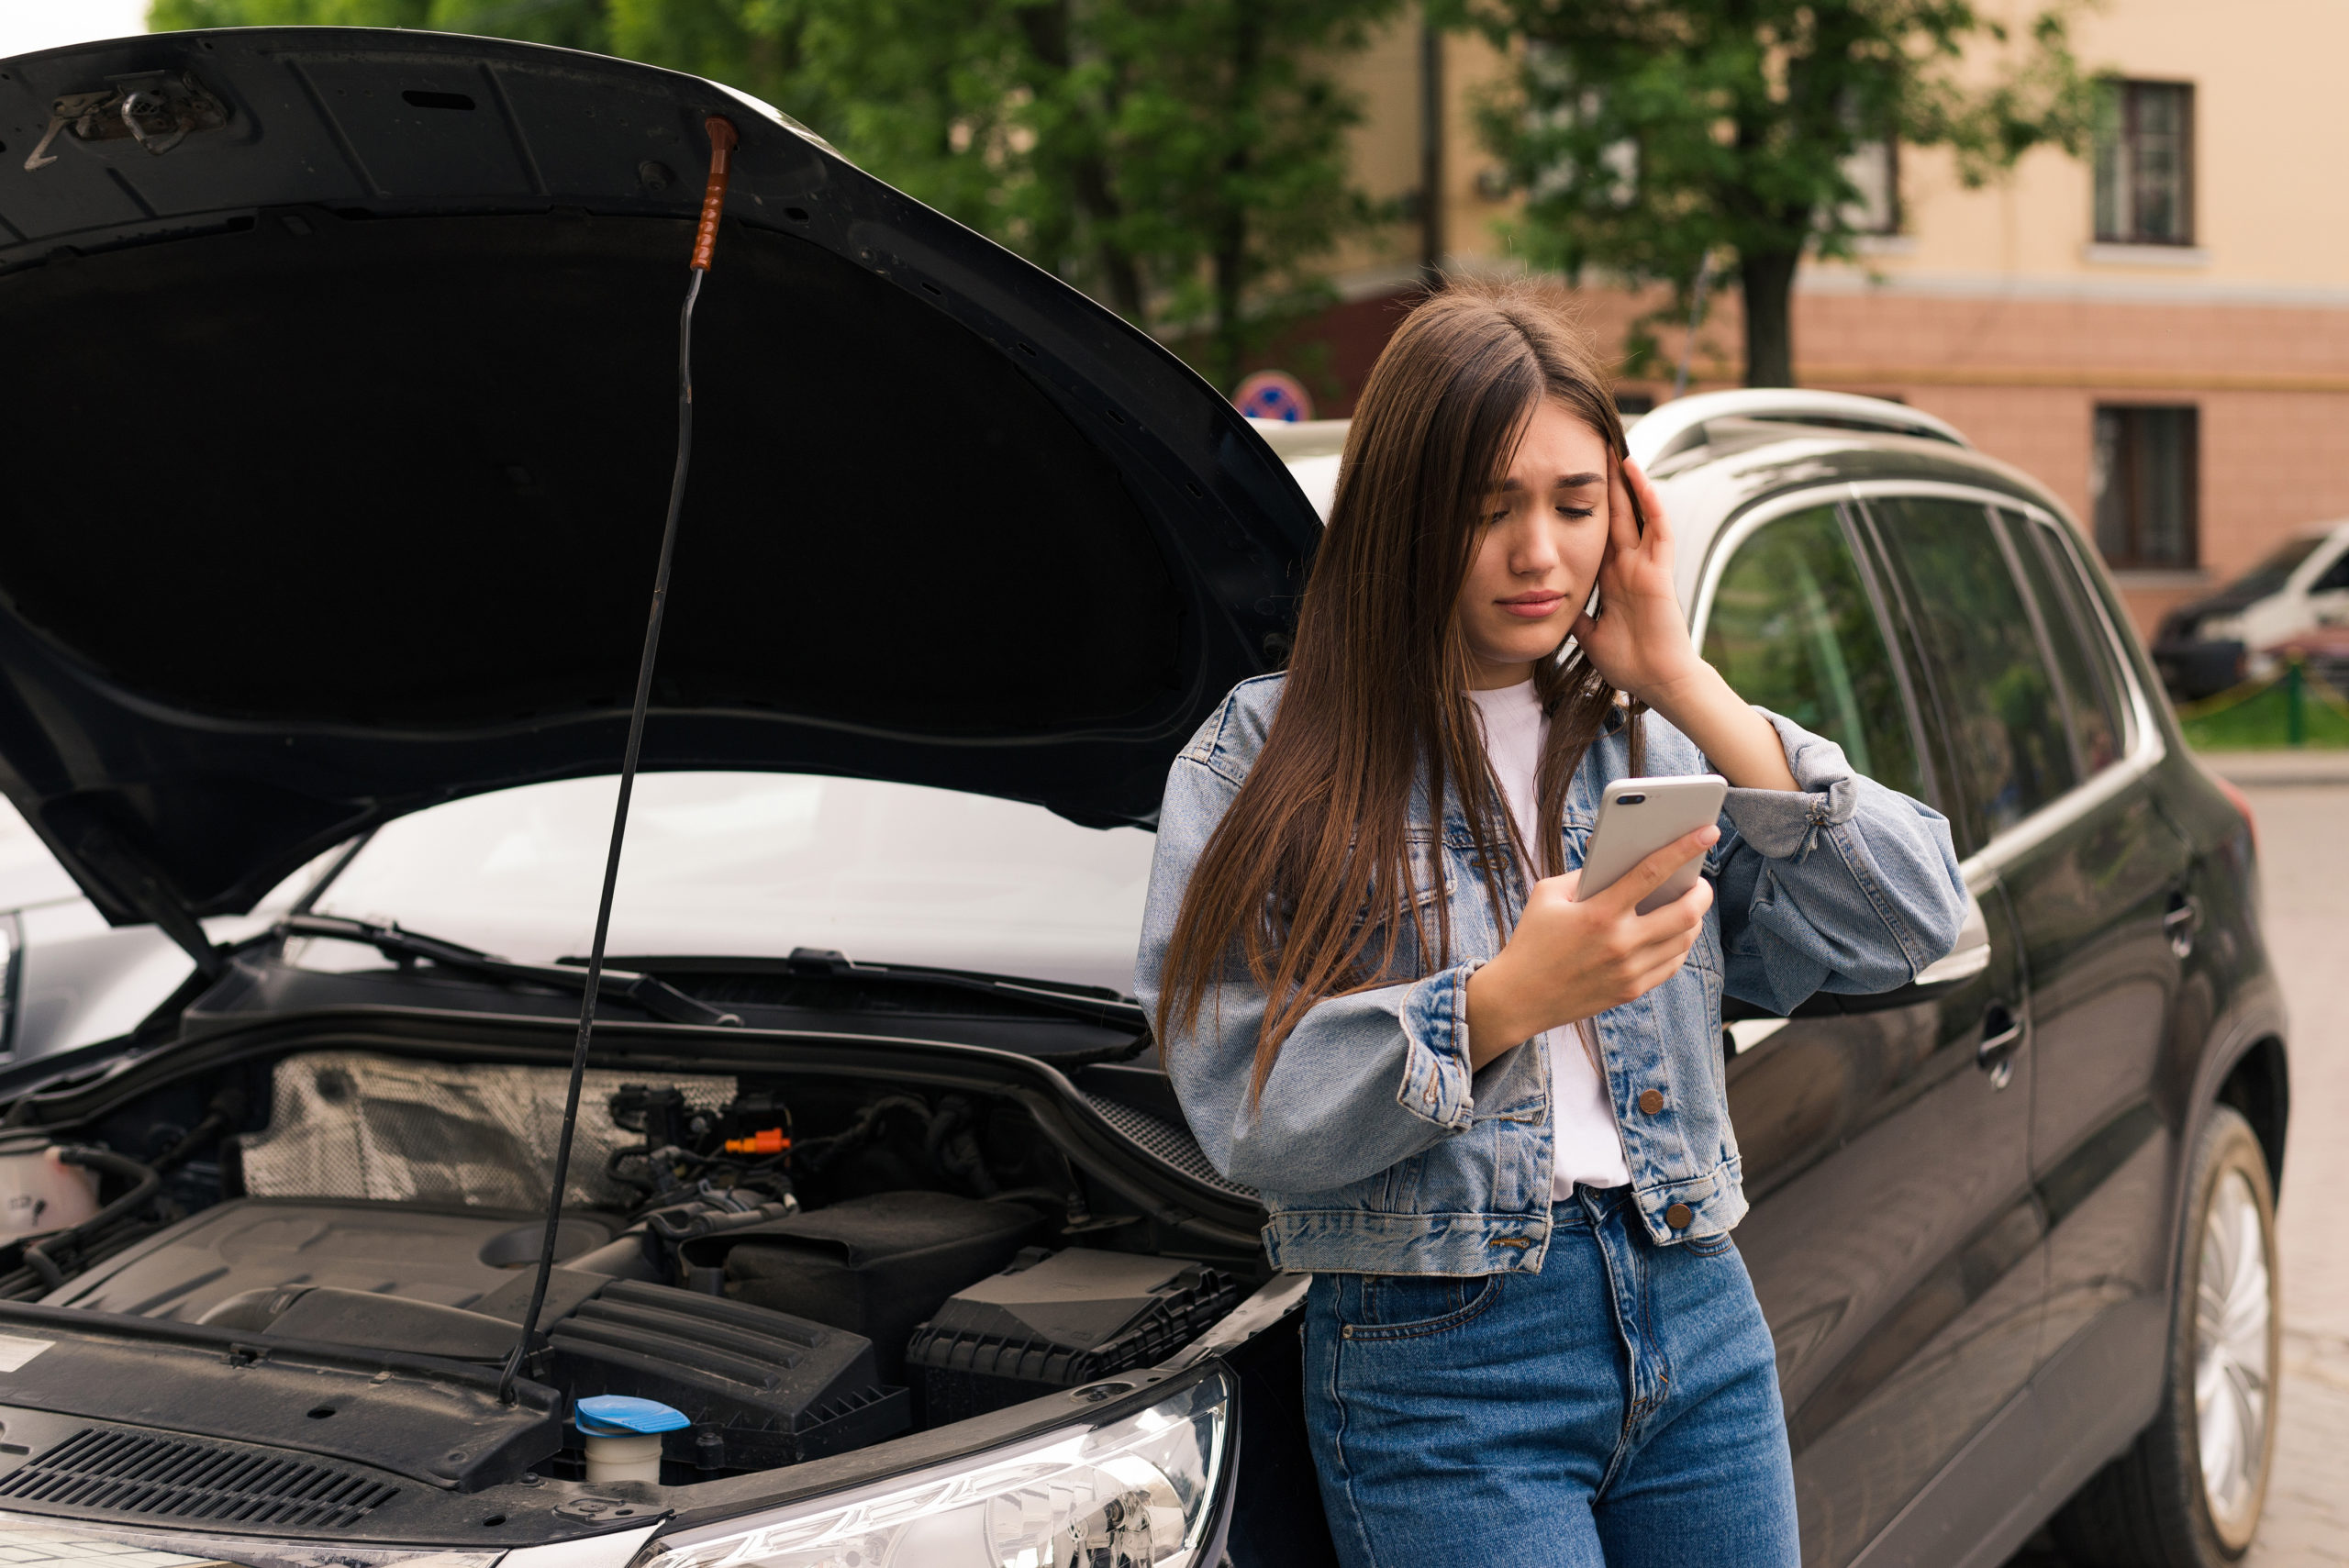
[(1639, 816)]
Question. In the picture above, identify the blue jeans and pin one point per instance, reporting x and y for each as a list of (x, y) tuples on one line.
[(1621, 1407)]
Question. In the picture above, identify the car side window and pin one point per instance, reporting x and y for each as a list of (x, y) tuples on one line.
[(1793, 629), (1983, 656), (2334, 578), (2087, 692)]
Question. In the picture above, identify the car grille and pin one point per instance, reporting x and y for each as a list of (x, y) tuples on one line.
[(1170, 1141), (169, 1478)]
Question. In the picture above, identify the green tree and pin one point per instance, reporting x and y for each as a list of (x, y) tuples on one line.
[(575, 24), (1183, 160), (1654, 139)]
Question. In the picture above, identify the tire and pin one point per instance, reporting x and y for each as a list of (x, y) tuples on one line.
[(2157, 1506)]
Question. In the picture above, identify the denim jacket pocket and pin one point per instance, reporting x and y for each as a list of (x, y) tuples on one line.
[(1411, 919)]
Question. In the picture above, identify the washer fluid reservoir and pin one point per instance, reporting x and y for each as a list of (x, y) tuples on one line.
[(38, 1191), (623, 1435)]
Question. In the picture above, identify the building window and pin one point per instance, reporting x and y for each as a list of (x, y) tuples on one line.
[(2143, 475), (2144, 163), (1874, 170)]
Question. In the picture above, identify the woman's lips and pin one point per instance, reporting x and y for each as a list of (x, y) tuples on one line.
[(1532, 607)]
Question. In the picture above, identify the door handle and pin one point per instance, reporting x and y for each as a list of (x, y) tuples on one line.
[(2178, 922), (2001, 1035)]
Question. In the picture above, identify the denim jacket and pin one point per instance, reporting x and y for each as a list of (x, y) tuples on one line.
[(1377, 1151)]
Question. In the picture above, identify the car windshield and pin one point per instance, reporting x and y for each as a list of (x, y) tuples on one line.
[(727, 864), (2273, 573)]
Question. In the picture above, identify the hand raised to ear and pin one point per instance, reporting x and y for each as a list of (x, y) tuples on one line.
[(1639, 639)]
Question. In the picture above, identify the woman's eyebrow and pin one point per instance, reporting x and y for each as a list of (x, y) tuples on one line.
[(1564, 482)]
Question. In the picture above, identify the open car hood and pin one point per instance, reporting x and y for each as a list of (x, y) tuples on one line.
[(343, 428)]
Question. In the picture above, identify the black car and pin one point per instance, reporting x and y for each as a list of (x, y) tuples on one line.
[(334, 498)]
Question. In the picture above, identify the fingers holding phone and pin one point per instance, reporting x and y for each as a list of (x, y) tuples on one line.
[(1571, 958), (1611, 932)]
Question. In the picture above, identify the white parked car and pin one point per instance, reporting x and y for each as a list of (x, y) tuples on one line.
[(2302, 586)]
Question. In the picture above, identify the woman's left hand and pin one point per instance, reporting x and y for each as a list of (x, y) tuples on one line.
[(1640, 642), (1639, 639)]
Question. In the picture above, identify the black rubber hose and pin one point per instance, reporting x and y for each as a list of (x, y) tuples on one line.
[(219, 1116), (818, 1153), (953, 1145), (145, 1184)]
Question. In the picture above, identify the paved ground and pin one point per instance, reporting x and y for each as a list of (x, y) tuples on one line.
[(2304, 861)]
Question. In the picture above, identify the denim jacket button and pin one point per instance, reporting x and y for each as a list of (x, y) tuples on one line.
[(1679, 1214), (1651, 1102)]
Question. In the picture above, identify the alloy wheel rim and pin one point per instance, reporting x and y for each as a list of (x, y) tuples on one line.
[(2233, 1387)]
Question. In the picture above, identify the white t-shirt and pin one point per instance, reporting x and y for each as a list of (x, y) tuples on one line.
[(1588, 1149)]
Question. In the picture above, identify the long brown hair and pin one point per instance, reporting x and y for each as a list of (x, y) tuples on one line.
[(1376, 699)]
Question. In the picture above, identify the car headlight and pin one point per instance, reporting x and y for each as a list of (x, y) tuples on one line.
[(2220, 628), (1137, 1489)]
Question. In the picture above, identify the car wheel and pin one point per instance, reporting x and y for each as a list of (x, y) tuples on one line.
[(2188, 1494)]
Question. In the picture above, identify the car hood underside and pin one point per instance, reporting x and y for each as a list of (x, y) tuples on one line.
[(351, 418)]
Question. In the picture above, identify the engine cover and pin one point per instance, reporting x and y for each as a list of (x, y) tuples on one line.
[(451, 1257)]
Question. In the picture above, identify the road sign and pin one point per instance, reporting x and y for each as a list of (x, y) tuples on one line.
[(1274, 394)]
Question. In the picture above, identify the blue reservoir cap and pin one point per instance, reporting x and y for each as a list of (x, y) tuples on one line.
[(622, 1415)]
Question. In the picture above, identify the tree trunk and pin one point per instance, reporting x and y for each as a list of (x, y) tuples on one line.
[(1050, 31), (1229, 263), (1769, 287)]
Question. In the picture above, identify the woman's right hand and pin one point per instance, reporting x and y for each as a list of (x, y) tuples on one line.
[(1570, 960)]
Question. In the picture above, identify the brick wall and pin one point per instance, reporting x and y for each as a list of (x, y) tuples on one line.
[(2022, 376)]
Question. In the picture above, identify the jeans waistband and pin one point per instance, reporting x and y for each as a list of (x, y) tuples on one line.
[(1588, 1204)]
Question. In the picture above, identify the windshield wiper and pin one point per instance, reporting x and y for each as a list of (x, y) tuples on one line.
[(651, 992), (1093, 1005)]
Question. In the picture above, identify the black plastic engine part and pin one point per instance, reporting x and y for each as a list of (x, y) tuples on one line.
[(762, 1388), (1057, 1320), (874, 1265), (436, 1421), (451, 1257), (330, 1315)]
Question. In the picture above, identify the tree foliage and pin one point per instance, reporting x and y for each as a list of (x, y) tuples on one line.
[(575, 24), (1183, 160), (1651, 135)]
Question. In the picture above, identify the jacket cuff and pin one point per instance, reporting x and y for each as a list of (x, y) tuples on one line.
[(1436, 1074), (1779, 824)]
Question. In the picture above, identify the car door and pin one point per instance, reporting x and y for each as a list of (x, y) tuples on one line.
[(2051, 739), (1894, 1241), (2101, 884)]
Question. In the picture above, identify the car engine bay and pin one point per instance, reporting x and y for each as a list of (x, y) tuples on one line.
[(795, 1270)]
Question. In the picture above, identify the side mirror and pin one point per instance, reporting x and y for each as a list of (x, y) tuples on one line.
[(1745, 1026)]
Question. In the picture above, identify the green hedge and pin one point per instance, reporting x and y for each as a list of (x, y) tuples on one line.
[(2257, 715)]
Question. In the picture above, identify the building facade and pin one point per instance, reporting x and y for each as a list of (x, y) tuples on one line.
[(2160, 333)]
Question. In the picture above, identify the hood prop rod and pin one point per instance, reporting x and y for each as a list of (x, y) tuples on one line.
[(722, 140)]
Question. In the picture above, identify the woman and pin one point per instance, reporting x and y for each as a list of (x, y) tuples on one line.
[(1490, 1119)]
